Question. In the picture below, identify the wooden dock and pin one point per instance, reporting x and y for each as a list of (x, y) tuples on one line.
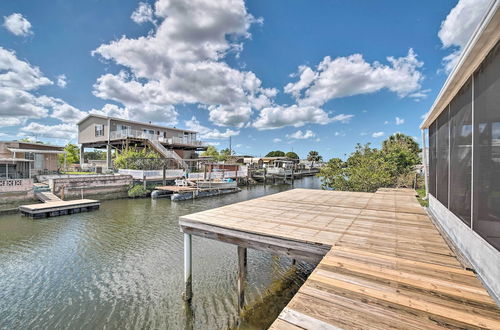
[(57, 208), (382, 262)]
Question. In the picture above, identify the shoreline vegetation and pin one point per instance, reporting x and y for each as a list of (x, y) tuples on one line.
[(368, 169)]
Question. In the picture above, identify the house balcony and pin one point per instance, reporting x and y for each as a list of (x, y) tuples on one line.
[(171, 141)]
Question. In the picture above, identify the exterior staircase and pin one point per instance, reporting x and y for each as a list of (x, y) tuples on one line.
[(46, 196), (167, 153)]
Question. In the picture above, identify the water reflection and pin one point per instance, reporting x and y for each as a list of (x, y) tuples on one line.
[(121, 267)]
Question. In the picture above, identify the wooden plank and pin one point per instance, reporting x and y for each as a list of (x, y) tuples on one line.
[(468, 317), (385, 264), (304, 321), (283, 325)]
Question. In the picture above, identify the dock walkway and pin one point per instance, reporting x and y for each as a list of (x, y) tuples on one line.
[(57, 208), (382, 262)]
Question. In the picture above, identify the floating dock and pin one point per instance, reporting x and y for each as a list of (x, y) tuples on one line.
[(180, 193), (57, 208), (382, 262)]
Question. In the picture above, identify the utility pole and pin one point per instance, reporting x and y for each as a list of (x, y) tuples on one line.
[(230, 150)]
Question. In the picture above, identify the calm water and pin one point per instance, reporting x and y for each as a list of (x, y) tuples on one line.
[(122, 267)]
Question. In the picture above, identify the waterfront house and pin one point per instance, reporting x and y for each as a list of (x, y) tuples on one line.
[(464, 152), (22, 160), (96, 131)]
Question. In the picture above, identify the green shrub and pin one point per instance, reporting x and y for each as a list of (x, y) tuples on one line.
[(138, 191)]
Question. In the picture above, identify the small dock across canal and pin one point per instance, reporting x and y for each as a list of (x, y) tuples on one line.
[(382, 262), (60, 207)]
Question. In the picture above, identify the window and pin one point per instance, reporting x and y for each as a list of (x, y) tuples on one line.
[(29, 156), (442, 155), (486, 180), (99, 130), (461, 153)]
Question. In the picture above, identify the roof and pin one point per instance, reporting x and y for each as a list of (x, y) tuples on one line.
[(33, 144), (37, 151), (482, 41), (15, 160), (135, 122)]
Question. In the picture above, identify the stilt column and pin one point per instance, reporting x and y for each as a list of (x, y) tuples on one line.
[(82, 154), (242, 272), (188, 293), (109, 163)]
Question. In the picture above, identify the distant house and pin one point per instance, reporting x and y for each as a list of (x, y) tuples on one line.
[(464, 152), (21, 160), (95, 131)]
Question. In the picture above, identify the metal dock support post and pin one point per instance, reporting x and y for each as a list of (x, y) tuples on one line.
[(242, 272), (188, 266)]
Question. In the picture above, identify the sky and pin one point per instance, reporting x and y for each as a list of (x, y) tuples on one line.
[(272, 75)]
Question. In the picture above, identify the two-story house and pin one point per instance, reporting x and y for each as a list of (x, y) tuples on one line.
[(96, 131)]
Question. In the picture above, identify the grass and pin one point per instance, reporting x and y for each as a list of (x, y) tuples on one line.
[(421, 196)]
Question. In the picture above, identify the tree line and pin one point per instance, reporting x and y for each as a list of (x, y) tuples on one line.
[(367, 169)]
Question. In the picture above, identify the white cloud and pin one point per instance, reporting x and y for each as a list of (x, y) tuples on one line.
[(279, 116), (343, 118), (191, 31), (299, 135), (17, 24), (208, 133), (215, 144), (277, 140), (11, 121), (61, 81), (181, 61), (62, 110), (143, 13), (422, 94), (399, 121), (18, 103), (307, 76), (18, 74), (386, 122), (458, 27), (378, 134), (61, 131), (352, 75)]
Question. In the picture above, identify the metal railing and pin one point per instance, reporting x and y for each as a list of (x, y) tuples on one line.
[(122, 134)]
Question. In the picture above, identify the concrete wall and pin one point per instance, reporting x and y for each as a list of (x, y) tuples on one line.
[(16, 190), (482, 256), (99, 186)]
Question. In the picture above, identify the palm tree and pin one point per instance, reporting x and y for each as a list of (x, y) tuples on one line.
[(314, 156)]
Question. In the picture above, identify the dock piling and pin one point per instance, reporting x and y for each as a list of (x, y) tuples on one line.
[(188, 293), (242, 272)]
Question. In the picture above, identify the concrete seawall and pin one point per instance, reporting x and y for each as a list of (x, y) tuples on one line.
[(15, 190), (100, 187)]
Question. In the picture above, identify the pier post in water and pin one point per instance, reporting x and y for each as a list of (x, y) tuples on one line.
[(242, 272), (188, 293), (164, 179)]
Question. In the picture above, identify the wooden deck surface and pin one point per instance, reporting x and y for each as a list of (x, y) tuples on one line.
[(58, 205), (176, 189), (386, 264)]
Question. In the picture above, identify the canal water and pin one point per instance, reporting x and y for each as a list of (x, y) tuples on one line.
[(122, 267)]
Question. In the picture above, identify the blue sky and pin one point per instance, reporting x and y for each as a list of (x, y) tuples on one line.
[(288, 75)]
